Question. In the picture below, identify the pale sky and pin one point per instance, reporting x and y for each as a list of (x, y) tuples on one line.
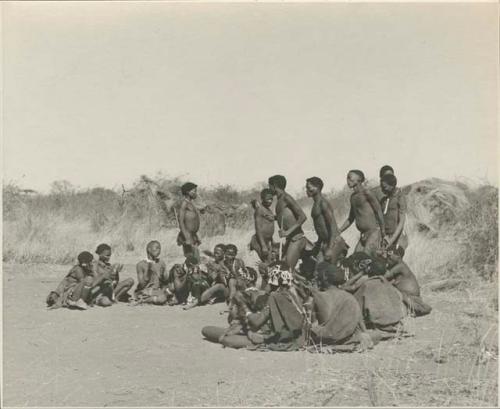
[(100, 93)]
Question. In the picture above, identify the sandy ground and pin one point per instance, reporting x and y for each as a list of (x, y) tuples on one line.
[(156, 356)]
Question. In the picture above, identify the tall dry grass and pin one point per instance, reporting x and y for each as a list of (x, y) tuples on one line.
[(452, 227)]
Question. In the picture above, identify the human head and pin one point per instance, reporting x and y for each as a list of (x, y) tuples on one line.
[(104, 252), (153, 249), (354, 260), (388, 183), (231, 252), (249, 275), (394, 256), (266, 197), (355, 178), (219, 251), (386, 170), (314, 185), (376, 268), (329, 274), (189, 190), (85, 259), (276, 183), (191, 261)]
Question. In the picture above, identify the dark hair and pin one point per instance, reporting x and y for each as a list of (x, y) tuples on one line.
[(390, 179), (102, 247), (265, 192), (359, 173), (85, 257), (278, 181), (316, 182), (220, 246), (151, 243), (377, 268), (231, 247), (384, 169), (399, 251), (330, 274), (187, 187)]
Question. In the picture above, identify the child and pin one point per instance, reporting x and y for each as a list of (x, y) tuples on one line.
[(103, 266), (189, 222), (262, 241), (234, 265), (151, 277), (366, 212), (405, 281), (198, 282), (75, 288)]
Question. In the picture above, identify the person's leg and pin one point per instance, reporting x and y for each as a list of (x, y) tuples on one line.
[(232, 287), (217, 291), (236, 341), (103, 301), (293, 252), (212, 334), (416, 305), (373, 242), (122, 288)]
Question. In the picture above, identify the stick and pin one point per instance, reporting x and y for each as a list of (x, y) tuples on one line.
[(281, 239)]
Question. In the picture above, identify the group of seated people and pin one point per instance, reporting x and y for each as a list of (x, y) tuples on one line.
[(97, 282), (353, 303)]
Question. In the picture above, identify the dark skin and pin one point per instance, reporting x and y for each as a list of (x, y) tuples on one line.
[(290, 219), (324, 221), (189, 218), (365, 210), (264, 226), (112, 272), (150, 273), (391, 239), (401, 276), (232, 264)]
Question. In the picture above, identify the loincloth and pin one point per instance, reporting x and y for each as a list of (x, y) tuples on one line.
[(181, 239)]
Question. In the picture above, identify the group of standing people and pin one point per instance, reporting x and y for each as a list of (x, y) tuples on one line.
[(329, 297)]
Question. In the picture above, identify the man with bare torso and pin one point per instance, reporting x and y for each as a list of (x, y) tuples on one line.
[(330, 242), (262, 241), (366, 212), (189, 222), (290, 219)]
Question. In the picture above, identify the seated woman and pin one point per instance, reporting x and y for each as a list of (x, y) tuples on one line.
[(337, 317), (112, 272), (247, 314), (151, 277), (381, 303), (74, 290)]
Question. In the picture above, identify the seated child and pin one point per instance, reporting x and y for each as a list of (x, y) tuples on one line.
[(400, 275)]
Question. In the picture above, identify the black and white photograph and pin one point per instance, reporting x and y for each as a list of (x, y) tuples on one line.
[(249, 204)]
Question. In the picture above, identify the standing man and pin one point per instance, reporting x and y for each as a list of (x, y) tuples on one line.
[(366, 212), (189, 222), (384, 170), (330, 242), (290, 219), (262, 241)]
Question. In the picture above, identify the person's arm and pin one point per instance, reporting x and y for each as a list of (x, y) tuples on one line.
[(299, 214), (353, 284), (393, 272), (376, 209), (259, 221), (182, 215), (142, 275), (401, 218), (331, 223), (349, 221)]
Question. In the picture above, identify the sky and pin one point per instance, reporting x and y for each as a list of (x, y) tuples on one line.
[(100, 93)]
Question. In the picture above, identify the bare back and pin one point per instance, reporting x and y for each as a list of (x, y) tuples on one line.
[(404, 279), (285, 215)]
